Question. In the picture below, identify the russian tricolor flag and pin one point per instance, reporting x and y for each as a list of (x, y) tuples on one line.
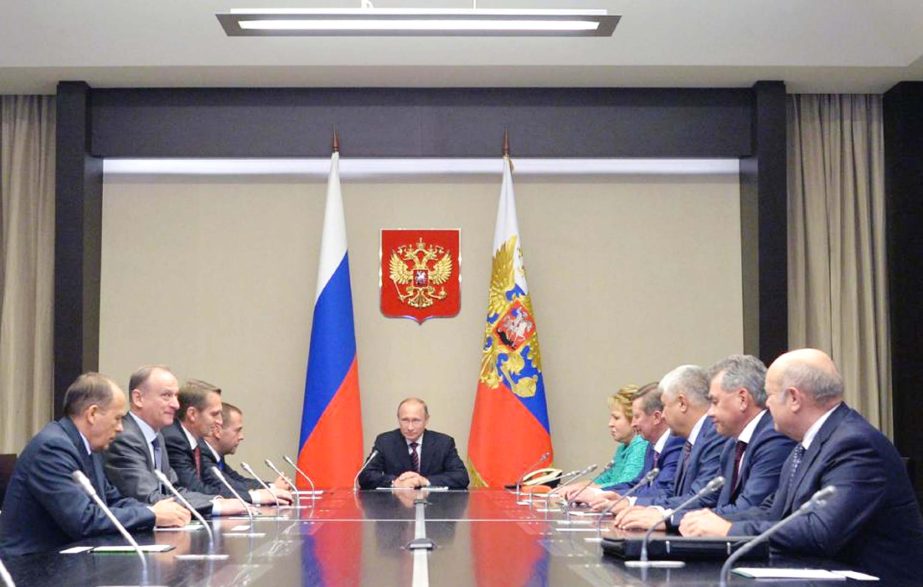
[(331, 421)]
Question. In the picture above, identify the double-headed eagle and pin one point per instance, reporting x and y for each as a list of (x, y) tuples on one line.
[(419, 279)]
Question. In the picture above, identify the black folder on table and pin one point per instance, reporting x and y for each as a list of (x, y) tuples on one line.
[(682, 548)]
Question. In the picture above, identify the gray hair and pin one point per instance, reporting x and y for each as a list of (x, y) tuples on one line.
[(142, 374), (742, 371), (819, 383), (691, 379), (410, 400), (88, 389)]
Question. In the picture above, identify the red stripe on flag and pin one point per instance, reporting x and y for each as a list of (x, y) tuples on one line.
[(333, 453), (505, 437)]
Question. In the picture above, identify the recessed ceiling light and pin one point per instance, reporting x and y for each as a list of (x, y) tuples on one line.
[(241, 22)]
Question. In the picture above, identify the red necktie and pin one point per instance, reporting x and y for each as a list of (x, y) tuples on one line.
[(738, 456), (198, 461)]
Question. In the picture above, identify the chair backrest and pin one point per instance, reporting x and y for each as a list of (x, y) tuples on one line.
[(7, 462)]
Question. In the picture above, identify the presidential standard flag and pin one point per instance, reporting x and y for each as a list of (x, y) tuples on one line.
[(331, 421), (509, 429)]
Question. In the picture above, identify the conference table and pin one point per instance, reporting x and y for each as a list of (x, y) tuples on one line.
[(400, 537)]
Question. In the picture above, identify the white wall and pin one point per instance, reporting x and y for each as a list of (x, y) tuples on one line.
[(630, 276)]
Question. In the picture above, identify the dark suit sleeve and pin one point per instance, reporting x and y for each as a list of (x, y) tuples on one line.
[(858, 472), (374, 474), (127, 468), (709, 465), (71, 508), (183, 462), (454, 474), (662, 487), (764, 467)]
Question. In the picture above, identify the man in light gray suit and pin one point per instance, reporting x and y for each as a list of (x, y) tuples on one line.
[(134, 454)]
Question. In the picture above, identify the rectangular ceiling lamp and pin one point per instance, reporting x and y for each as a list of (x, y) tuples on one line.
[(401, 22)]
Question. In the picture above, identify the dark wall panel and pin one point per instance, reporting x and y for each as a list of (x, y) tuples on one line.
[(422, 122), (903, 112)]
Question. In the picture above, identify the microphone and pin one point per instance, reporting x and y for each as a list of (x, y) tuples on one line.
[(179, 496), (300, 472), (248, 469), (221, 478), (372, 455), (84, 482), (712, 486), (540, 460), (569, 503), (5, 575), (287, 480), (566, 479), (819, 499), (646, 480)]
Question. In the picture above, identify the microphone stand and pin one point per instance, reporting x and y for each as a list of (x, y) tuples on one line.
[(713, 485), (84, 482), (221, 478), (211, 535), (287, 480), (527, 471), (819, 499), (569, 503), (646, 480), (5, 575), (314, 493), (248, 469), (372, 455)]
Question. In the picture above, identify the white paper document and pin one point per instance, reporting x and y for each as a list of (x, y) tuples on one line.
[(770, 573)]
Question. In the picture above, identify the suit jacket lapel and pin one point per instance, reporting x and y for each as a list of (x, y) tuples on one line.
[(812, 453)]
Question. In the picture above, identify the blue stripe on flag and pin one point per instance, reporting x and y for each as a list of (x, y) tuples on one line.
[(333, 347)]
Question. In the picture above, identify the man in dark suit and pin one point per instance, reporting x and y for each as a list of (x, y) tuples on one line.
[(685, 408), (412, 456), (872, 522), (223, 440), (751, 462), (132, 457), (44, 508), (199, 413)]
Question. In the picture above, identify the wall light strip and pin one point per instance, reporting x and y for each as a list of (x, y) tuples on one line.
[(412, 22), (351, 168)]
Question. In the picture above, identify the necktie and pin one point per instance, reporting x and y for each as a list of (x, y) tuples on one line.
[(158, 460), (739, 449), (656, 459), (198, 461), (683, 462), (797, 455), (414, 457)]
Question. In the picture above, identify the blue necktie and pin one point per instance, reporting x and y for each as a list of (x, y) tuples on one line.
[(158, 459)]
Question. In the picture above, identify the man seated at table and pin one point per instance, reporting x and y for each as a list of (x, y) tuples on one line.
[(685, 407), (412, 456), (199, 413), (751, 462), (44, 508), (139, 449), (872, 522), (223, 440)]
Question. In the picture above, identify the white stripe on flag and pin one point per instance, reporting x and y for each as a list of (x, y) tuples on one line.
[(333, 241)]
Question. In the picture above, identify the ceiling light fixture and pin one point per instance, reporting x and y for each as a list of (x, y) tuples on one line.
[(243, 22)]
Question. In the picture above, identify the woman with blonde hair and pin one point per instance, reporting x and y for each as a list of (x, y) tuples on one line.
[(629, 456)]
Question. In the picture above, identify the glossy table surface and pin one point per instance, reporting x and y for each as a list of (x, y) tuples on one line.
[(481, 538)]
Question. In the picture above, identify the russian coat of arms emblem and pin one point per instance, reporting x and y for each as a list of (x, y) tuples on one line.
[(419, 274)]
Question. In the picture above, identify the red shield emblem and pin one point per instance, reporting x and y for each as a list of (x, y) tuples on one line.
[(420, 273)]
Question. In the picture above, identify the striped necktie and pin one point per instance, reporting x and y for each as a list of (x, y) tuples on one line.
[(414, 457)]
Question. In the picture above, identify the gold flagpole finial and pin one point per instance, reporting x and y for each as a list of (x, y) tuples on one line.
[(506, 142), (336, 140)]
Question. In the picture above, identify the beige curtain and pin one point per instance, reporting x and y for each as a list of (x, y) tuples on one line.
[(837, 287), (27, 155)]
